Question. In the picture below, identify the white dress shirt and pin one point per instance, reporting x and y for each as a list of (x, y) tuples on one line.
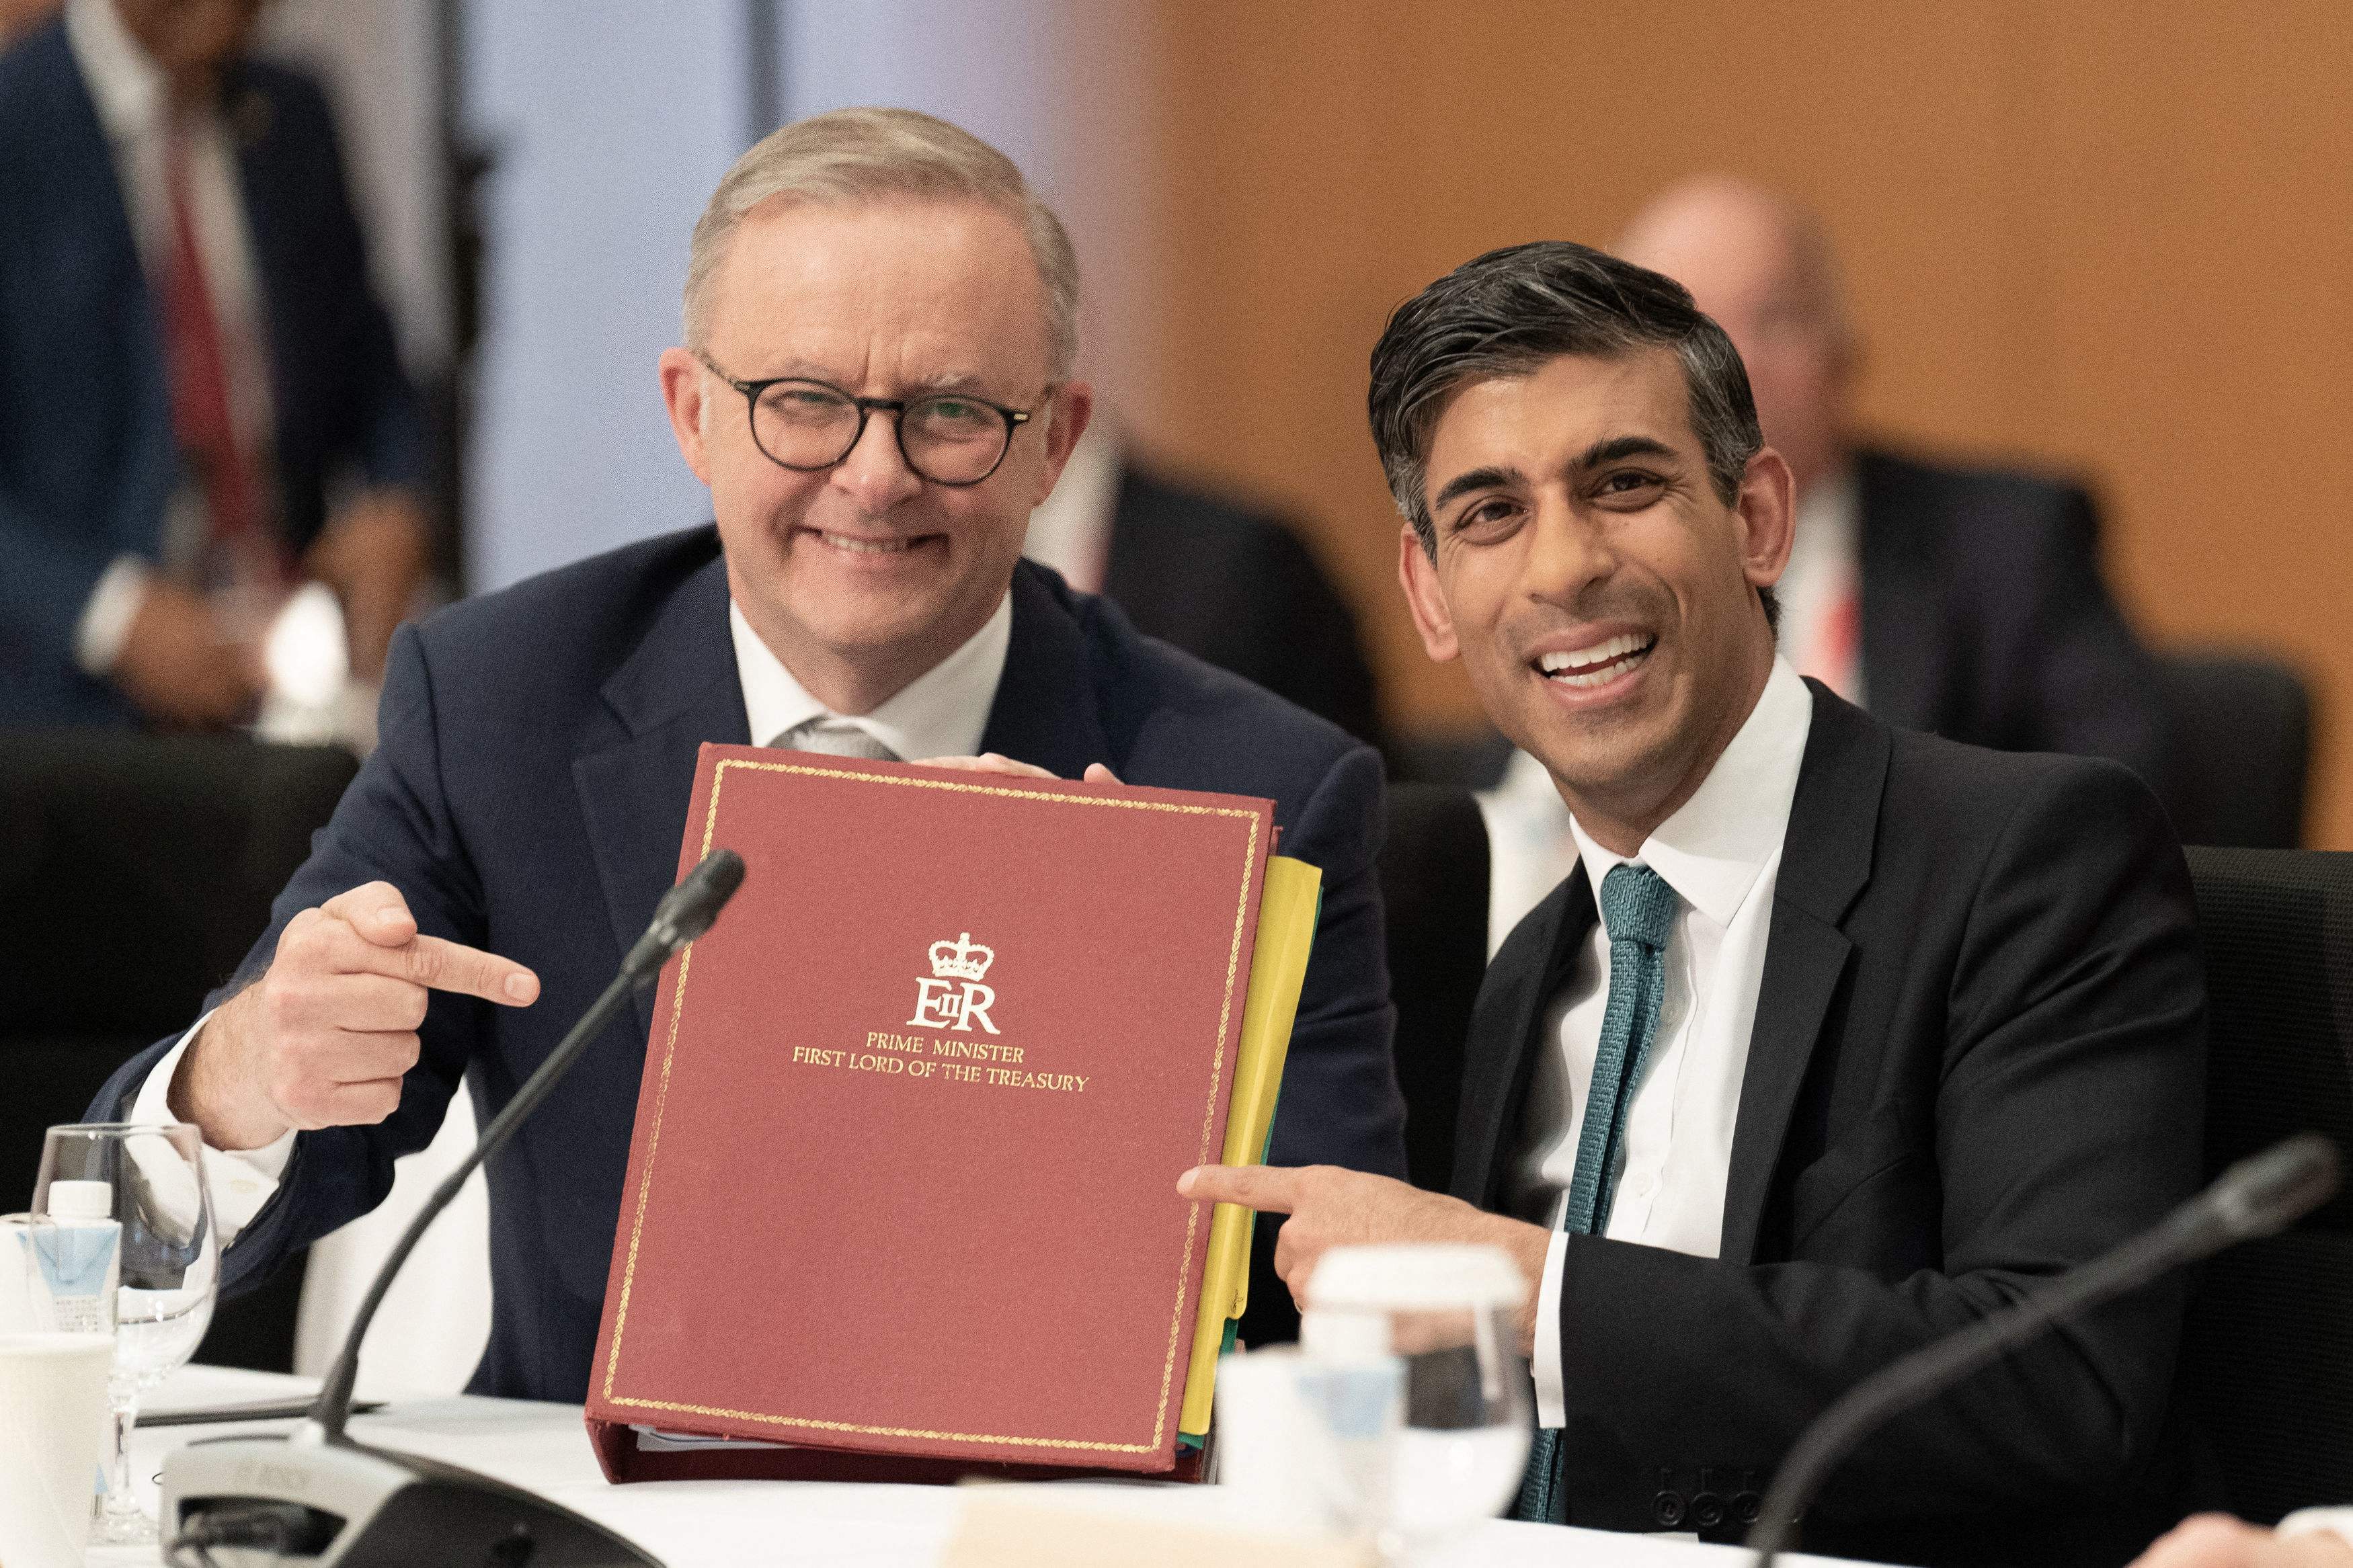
[(2337, 1521), (135, 108), (1721, 853), (939, 713), (1070, 530), (1825, 572)]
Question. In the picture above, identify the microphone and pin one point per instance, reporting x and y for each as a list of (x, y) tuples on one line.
[(2259, 1195), (320, 1497)]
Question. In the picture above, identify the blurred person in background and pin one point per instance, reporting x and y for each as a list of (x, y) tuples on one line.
[(1964, 601), (1218, 576), (190, 356)]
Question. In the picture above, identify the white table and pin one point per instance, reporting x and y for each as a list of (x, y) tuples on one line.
[(746, 1524)]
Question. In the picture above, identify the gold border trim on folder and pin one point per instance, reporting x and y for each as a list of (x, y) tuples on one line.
[(1209, 1120)]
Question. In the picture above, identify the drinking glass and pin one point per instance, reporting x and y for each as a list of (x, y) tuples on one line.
[(150, 1180), (1411, 1362)]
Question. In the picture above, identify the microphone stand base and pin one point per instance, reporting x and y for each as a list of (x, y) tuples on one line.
[(327, 1500)]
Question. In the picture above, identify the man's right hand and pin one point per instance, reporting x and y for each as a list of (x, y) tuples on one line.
[(323, 1037), (179, 667)]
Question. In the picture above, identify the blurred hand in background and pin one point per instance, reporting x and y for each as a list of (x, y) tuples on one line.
[(185, 665), (375, 555)]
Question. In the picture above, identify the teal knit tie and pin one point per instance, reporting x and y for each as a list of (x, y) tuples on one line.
[(1638, 910)]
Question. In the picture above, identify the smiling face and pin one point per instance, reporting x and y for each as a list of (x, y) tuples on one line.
[(1601, 594), (862, 576)]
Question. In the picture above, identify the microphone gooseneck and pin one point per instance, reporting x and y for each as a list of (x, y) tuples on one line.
[(2262, 1194), (684, 913)]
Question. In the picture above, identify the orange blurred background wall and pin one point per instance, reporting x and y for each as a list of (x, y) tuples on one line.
[(2112, 240)]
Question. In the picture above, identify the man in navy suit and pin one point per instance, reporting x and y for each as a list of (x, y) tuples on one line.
[(880, 329), (189, 354)]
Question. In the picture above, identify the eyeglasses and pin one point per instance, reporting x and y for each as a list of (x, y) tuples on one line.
[(948, 438)]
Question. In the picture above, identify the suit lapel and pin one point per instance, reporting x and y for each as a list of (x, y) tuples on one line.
[(1903, 619), (1527, 973), (1825, 862), (1045, 709), (635, 774)]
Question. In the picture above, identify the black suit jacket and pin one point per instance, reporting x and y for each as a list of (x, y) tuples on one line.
[(1242, 590), (1978, 1059), (1985, 617), (529, 796)]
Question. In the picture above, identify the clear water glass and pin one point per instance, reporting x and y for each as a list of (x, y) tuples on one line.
[(1410, 1362), (150, 1181)]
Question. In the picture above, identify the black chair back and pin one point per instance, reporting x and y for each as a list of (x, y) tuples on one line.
[(1434, 888), (2268, 1358), (2243, 738), (135, 871)]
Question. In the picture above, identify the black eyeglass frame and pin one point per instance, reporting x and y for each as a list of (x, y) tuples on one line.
[(897, 406)]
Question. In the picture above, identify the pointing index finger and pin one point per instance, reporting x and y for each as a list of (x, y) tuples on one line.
[(1268, 1189), (445, 965)]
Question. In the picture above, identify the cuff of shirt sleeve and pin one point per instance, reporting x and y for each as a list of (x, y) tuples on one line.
[(242, 1180), (2337, 1521), (106, 617), (1551, 1404)]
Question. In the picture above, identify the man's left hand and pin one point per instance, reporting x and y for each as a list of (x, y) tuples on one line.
[(1332, 1207), (375, 555)]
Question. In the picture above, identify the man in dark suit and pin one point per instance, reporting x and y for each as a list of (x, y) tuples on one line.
[(190, 353), (908, 309), (1836, 1039), (1223, 580)]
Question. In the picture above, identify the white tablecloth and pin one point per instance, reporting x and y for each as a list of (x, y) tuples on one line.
[(746, 1524)]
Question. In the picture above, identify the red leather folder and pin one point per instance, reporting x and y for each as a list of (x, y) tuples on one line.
[(901, 1201)]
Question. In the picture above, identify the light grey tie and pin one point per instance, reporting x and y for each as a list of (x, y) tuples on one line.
[(835, 737)]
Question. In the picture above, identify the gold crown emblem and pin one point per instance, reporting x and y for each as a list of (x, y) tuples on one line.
[(963, 959)]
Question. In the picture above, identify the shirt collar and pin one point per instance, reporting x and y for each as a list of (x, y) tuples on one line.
[(124, 82), (1828, 518), (1712, 850), (941, 713), (1070, 531)]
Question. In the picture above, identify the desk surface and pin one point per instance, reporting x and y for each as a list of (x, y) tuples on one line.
[(743, 1525)]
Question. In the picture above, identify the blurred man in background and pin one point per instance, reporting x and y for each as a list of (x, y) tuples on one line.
[(1968, 603), (1223, 580), (190, 356)]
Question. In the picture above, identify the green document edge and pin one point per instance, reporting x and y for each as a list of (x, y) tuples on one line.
[(1289, 907)]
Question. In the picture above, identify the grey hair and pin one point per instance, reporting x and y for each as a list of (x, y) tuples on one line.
[(1506, 312), (868, 154)]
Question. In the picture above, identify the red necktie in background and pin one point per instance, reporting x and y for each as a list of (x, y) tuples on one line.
[(1834, 653), (203, 417)]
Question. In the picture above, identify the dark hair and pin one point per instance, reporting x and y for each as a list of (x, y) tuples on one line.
[(1506, 312)]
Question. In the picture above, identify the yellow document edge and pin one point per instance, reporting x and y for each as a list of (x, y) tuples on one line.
[(1286, 933)]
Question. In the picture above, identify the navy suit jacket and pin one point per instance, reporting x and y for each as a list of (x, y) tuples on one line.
[(88, 460), (530, 794)]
